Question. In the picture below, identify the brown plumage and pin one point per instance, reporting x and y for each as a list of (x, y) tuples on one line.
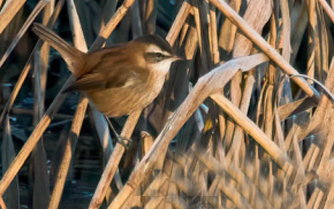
[(118, 80)]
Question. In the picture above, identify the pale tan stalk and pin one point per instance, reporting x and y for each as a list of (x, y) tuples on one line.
[(262, 44)]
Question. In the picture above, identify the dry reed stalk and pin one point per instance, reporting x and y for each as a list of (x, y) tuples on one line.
[(316, 198), (320, 115), (279, 131), (46, 119), (41, 185), (213, 191), (228, 30), (8, 12), (112, 164), (256, 15), (2, 203), (279, 157), (300, 176), (31, 142), (299, 21), (71, 141), (206, 85), (113, 22), (150, 15), (21, 111), (136, 23), (105, 140), (200, 9), (326, 144), (329, 202), (237, 141), (189, 49), (248, 188), (263, 45), (108, 10), (68, 153), (180, 19), (285, 34), (41, 191), (214, 35), (100, 123), (24, 28), (154, 202), (327, 9), (177, 202), (12, 171), (234, 195)]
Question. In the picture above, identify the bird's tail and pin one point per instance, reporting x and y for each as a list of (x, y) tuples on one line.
[(72, 56)]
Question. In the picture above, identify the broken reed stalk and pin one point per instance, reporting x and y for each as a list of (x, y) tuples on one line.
[(210, 83), (57, 102), (264, 46)]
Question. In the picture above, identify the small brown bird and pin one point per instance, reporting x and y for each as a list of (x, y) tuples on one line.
[(118, 80)]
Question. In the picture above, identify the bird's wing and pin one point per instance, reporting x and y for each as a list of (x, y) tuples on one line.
[(125, 76)]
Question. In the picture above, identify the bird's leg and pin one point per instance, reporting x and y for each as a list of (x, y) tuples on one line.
[(119, 138)]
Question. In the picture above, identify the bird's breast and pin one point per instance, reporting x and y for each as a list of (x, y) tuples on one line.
[(116, 102)]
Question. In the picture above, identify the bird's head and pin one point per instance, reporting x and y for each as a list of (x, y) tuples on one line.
[(157, 53)]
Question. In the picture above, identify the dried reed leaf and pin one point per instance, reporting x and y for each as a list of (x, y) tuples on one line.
[(12, 194), (295, 107)]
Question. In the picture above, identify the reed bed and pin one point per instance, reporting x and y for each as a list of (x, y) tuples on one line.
[(245, 122)]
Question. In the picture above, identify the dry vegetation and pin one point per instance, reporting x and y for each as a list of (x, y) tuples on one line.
[(246, 122)]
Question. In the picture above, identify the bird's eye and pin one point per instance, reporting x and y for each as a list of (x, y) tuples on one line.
[(159, 55), (154, 57)]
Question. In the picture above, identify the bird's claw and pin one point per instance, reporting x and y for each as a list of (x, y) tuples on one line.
[(125, 142)]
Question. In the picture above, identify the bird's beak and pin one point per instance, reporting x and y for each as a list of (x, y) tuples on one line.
[(177, 58)]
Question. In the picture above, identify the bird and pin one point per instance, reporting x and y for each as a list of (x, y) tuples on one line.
[(120, 79)]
